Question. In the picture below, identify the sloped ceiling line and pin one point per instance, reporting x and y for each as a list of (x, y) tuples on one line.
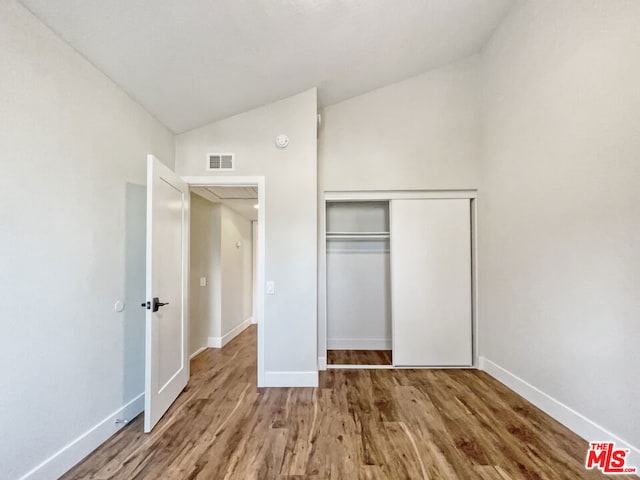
[(196, 61)]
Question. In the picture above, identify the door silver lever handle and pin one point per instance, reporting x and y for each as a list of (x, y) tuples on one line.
[(154, 305)]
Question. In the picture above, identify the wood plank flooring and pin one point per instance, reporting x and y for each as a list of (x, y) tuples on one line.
[(359, 424), (359, 357)]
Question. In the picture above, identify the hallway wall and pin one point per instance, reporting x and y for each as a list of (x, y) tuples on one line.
[(223, 307)]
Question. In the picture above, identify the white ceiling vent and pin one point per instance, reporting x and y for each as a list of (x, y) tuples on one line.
[(220, 161)]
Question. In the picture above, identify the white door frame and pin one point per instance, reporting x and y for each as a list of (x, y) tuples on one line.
[(259, 181), (388, 195)]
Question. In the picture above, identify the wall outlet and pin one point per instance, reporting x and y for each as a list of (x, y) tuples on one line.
[(203, 281)]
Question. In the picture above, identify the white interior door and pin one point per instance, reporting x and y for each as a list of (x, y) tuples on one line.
[(166, 355), (431, 282)]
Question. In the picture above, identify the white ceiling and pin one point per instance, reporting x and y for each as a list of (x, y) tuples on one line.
[(234, 192), (239, 199), (190, 62)]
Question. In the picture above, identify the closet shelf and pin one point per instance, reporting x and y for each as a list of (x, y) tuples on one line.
[(356, 235)]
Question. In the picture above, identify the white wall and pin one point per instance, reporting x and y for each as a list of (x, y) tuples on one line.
[(73, 157), (205, 303), (359, 297), (559, 215), (421, 133), (291, 221), (236, 270), (219, 309)]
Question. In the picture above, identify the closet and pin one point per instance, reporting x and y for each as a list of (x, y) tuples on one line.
[(399, 280)]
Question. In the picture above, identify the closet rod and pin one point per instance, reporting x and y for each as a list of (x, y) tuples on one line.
[(358, 233)]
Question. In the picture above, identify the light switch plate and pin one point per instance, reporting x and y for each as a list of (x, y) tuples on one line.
[(271, 287)]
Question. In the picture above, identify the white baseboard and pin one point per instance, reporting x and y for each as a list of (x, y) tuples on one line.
[(322, 363), (219, 342), (578, 423), (291, 379), (359, 344), (254, 320), (63, 460), (366, 367), (197, 352)]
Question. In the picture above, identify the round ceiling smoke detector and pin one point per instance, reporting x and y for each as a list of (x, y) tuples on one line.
[(282, 141)]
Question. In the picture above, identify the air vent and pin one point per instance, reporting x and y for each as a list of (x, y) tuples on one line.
[(220, 161)]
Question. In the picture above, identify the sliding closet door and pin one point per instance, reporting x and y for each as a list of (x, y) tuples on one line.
[(431, 282)]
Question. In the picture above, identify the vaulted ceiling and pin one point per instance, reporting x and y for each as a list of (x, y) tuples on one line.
[(190, 62)]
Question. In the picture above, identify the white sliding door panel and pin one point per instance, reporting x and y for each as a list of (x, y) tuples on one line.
[(431, 282)]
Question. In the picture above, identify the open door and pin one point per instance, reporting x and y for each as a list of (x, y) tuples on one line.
[(166, 354)]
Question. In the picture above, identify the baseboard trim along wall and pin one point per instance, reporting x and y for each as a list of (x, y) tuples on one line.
[(197, 352), (291, 379), (322, 363), (219, 342), (359, 344), (63, 460), (574, 421)]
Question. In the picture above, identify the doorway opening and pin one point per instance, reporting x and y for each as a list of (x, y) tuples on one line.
[(167, 339), (227, 257)]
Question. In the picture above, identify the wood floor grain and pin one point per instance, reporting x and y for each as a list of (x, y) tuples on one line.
[(359, 424), (359, 357)]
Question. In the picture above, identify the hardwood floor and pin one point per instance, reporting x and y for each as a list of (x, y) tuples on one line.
[(360, 424), (359, 357)]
